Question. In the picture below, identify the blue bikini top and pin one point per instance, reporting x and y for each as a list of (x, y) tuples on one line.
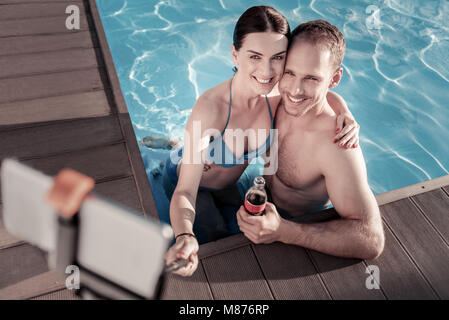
[(220, 154)]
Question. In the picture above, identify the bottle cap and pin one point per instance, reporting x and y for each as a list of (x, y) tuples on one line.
[(259, 180)]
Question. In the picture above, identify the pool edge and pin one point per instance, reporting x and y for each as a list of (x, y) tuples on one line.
[(412, 190), (145, 193)]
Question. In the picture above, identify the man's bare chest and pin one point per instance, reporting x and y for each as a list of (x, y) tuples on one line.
[(298, 166)]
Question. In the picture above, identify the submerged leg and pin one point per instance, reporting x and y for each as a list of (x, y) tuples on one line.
[(156, 142), (209, 224)]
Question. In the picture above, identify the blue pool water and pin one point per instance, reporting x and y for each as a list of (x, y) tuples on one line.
[(396, 72)]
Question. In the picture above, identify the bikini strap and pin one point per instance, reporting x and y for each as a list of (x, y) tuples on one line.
[(269, 109), (229, 112)]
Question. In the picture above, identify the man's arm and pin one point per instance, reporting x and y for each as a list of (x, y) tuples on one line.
[(359, 232)]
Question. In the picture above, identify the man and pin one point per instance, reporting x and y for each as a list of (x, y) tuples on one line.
[(313, 171)]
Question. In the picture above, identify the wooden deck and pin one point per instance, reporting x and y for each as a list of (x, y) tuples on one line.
[(61, 106)]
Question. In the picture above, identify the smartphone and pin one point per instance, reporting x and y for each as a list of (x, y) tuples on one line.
[(114, 242)]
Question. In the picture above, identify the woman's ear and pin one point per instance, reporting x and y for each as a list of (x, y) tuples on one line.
[(234, 55), (336, 78)]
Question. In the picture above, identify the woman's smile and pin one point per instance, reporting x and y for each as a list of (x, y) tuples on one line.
[(262, 80)]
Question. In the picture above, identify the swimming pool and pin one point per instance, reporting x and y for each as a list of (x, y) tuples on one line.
[(396, 75)]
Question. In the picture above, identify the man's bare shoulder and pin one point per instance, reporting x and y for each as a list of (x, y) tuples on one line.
[(332, 158), (323, 129), (330, 154)]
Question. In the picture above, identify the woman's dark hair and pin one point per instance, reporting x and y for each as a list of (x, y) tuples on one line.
[(260, 19)]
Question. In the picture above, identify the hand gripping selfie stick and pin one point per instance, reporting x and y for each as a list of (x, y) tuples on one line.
[(119, 254)]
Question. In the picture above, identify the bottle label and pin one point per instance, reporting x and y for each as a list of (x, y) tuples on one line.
[(252, 209)]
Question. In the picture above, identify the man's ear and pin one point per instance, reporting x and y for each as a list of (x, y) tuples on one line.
[(234, 55), (336, 78)]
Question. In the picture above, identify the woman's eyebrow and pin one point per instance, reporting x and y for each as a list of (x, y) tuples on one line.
[(276, 54), (255, 52), (279, 53)]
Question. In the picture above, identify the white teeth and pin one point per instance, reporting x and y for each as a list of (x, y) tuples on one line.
[(296, 100), (262, 81)]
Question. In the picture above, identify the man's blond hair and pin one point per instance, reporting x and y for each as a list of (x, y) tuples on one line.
[(322, 33)]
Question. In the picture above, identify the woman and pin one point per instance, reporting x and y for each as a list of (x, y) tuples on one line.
[(243, 102)]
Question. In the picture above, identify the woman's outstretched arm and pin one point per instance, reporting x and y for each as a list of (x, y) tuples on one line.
[(182, 205)]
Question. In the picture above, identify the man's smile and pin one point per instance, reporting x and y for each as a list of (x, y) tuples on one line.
[(297, 100)]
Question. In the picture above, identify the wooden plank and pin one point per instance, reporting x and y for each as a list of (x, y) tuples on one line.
[(102, 163), (399, 277), (344, 278), (294, 278), (55, 138), (6, 239), (236, 275), (59, 295), (46, 62), (54, 84), (71, 106), (435, 205), (421, 241), (446, 189), (39, 26), (229, 243), (49, 42), (31, 1), (143, 191), (187, 288), (122, 190), (38, 285), (36, 10), (19, 263)]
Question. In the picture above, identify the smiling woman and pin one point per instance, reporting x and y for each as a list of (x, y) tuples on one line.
[(264, 66)]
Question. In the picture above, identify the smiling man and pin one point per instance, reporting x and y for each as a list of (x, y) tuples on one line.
[(313, 171)]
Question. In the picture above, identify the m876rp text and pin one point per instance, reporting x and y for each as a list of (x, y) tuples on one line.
[(237, 309)]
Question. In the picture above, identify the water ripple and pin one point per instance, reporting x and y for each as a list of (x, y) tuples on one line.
[(311, 6), (443, 65), (429, 153), (398, 156), (120, 11), (395, 80)]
